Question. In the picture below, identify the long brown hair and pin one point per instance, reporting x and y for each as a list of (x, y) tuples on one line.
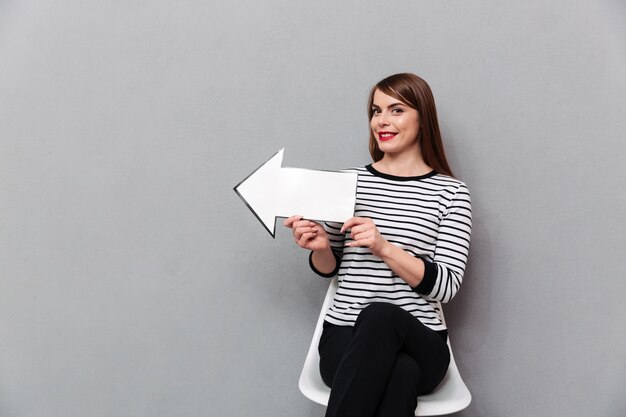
[(415, 93)]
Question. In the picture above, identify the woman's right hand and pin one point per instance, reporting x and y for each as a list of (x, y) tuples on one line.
[(308, 234)]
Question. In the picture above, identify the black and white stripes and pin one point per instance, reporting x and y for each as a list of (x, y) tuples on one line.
[(427, 216)]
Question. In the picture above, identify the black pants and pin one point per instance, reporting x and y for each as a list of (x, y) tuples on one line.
[(378, 367)]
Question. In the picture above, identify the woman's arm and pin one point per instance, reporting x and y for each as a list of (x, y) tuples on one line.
[(439, 278), (324, 262), (405, 265), (311, 235), (365, 233)]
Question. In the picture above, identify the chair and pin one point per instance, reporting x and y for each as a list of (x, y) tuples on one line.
[(449, 397)]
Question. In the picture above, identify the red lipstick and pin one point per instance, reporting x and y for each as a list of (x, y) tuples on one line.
[(385, 136)]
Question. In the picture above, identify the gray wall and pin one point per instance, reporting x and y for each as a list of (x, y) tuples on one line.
[(134, 282)]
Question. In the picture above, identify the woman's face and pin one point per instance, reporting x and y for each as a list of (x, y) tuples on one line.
[(394, 124)]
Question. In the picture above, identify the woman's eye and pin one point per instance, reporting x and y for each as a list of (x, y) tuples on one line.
[(396, 111), (375, 111)]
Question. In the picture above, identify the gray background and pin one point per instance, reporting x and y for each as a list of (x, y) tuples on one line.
[(134, 282)]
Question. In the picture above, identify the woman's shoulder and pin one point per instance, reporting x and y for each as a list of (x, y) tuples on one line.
[(448, 181), (455, 191)]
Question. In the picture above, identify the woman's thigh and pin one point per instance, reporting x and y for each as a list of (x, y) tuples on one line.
[(427, 347), (384, 320), (333, 343)]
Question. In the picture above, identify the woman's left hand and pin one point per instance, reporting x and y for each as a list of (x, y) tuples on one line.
[(365, 233)]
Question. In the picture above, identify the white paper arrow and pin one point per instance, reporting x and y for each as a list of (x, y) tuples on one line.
[(272, 191)]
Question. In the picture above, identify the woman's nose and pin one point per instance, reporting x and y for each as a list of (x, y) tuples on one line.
[(382, 120)]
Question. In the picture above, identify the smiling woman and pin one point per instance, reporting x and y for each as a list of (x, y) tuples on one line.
[(413, 93), (402, 254), (395, 126)]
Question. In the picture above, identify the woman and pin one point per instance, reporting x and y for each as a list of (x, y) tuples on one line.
[(404, 252)]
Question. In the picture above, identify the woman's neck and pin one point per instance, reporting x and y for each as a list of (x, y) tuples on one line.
[(402, 167)]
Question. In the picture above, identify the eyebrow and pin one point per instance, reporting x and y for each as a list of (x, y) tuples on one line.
[(391, 105)]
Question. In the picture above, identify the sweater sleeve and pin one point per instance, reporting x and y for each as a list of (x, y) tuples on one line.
[(443, 274), (336, 244)]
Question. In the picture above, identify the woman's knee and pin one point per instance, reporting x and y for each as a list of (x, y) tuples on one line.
[(378, 317), (381, 312)]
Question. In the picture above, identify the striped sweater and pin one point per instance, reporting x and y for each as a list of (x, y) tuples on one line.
[(429, 217)]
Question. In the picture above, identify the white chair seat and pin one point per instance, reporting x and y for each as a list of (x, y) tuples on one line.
[(449, 397)]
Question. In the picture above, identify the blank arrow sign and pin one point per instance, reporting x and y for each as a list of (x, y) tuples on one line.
[(272, 191)]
